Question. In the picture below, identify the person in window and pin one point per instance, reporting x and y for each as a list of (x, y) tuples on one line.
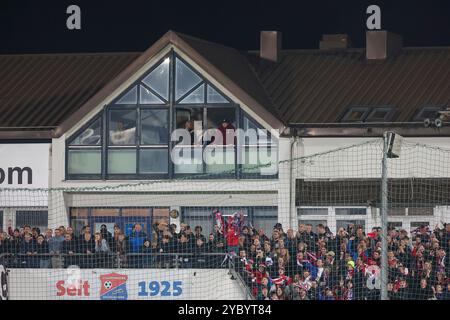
[(86, 246), (101, 250), (69, 248), (227, 131), (42, 251), (189, 127)]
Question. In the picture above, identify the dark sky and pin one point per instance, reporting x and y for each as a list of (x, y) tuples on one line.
[(33, 26)]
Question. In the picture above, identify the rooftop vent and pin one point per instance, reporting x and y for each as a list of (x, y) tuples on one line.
[(334, 41), (381, 44), (270, 45)]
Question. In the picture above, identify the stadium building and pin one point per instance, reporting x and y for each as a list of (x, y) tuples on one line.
[(95, 129)]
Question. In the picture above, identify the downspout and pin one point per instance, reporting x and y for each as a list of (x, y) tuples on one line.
[(294, 140)]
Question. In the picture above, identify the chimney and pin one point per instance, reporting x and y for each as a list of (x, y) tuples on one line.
[(270, 46), (334, 41), (381, 44)]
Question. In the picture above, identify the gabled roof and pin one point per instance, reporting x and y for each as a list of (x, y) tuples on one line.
[(225, 65), (43, 96)]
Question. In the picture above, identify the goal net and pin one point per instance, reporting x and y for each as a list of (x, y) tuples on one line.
[(313, 231)]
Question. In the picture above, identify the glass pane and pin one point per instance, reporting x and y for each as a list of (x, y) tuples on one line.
[(122, 127), (346, 223), (188, 159), (266, 224), (219, 159), (187, 114), (129, 98), (313, 211), (33, 219), (420, 211), (197, 96), (214, 96), (218, 116), (350, 211), (394, 225), (147, 97), (154, 126), (122, 161), (91, 136), (84, 161), (135, 212), (263, 160), (418, 224), (314, 223), (158, 79), (154, 161), (185, 79)]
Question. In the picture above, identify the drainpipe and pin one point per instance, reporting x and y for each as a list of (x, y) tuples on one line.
[(294, 141)]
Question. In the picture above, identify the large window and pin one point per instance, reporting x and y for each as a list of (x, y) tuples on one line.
[(32, 218), (259, 217), (131, 138)]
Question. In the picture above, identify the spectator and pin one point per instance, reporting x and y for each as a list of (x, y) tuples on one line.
[(147, 252), (86, 246), (232, 236), (42, 250), (28, 252), (55, 245), (101, 250), (69, 249), (137, 238), (121, 248)]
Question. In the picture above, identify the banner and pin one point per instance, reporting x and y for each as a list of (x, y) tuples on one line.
[(3, 283), (122, 284)]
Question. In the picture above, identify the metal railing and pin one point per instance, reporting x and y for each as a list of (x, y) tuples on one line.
[(115, 260)]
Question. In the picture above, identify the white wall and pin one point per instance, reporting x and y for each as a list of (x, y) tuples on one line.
[(86, 284)]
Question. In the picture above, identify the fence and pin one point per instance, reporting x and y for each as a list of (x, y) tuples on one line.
[(357, 223)]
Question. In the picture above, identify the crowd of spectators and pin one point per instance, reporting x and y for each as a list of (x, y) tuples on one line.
[(305, 264), (318, 265), (27, 247)]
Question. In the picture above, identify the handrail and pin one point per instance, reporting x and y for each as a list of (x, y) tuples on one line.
[(238, 277)]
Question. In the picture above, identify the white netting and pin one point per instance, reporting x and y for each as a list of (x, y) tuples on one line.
[(207, 237)]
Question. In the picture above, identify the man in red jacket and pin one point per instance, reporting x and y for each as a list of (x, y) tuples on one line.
[(232, 236)]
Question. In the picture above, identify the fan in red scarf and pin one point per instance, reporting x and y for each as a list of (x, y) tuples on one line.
[(220, 222), (282, 279), (261, 273)]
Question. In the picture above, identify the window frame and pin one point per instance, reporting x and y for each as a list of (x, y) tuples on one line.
[(171, 106)]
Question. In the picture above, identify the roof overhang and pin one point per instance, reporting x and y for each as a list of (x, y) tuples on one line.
[(417, 131), (26, 134)]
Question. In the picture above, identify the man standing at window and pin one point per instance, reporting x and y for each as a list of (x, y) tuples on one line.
[(225, 127)]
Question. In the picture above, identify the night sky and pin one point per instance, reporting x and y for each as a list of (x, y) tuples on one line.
[(38, 26)]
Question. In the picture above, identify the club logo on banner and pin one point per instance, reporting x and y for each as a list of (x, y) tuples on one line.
[(113, 286), (3, 283)]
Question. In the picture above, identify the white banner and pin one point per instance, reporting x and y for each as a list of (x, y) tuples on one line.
[(122, 284), (24, 166)]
